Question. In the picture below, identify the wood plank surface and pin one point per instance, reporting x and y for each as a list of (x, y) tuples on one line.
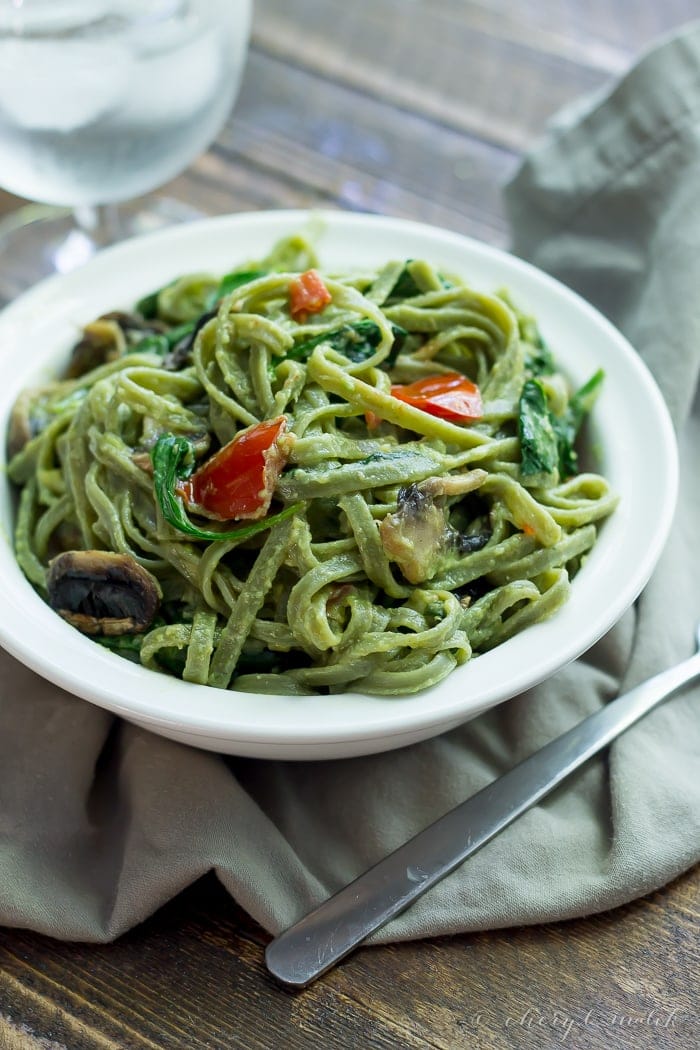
[(415, 109), (193, 977)]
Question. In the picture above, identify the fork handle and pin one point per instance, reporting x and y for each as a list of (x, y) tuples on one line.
[(327, 934)]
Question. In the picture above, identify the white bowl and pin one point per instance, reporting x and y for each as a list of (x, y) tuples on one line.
[(631, 432)]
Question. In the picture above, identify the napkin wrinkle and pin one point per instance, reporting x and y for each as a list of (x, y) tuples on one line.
[(592, 146), (224, 830), (113, 816), (44, 732), (638, 299), (612, 653), (650, 145), (332, 813), (104, 775)]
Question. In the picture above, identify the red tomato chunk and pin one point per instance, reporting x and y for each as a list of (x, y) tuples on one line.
[(239, 480), (451, 396), (307, 295)]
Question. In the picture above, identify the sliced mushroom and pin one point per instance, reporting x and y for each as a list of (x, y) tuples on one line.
[(133, 323), (21, 428), (417, 535), (102, 341), (414, 537), (468, 542), (35, 408), (101, 592), (452, 484)]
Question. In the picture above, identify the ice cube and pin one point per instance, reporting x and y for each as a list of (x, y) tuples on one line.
[(50, 16), (61, 85), (177, 72)]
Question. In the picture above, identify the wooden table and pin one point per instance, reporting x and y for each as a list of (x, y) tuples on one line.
[(415, 109)]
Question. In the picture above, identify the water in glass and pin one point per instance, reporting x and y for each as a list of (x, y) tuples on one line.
[(104, 100)]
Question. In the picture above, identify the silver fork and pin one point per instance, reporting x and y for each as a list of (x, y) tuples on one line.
[(317, 942)]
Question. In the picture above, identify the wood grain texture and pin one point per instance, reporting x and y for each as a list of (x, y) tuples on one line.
[(422, 110), (193, 977)]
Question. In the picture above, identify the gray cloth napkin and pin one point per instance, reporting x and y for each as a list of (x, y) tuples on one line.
[(100, 822)]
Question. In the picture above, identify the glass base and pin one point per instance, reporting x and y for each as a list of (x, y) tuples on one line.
[(38, 240)]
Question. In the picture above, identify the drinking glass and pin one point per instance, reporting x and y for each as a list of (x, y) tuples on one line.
[(101, 102)]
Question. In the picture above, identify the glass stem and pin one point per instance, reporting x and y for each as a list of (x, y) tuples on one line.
[(99, 222)]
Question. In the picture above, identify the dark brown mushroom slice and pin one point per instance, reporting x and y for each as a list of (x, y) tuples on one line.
[(101, 592), (133, 323), (102, 341)]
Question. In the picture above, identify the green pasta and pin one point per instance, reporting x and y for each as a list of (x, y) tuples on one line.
[(278, 481)]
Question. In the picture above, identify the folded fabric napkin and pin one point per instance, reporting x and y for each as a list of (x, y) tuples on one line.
[(100, 822)]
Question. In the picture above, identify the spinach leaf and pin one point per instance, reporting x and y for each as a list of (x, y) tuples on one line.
[(356, 341), (567, 426), (148, 306), (173, 459), (162, 342), (172, 659), (539, 359), (154, 343), (181, 348), (539, 450), (179, 340), (230, 281), (405, 287), (174, 335), (547, 440), (128, 645)]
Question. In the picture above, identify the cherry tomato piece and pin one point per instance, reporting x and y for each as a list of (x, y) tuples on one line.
[(451, 396), (307, 295), (239, 480)]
